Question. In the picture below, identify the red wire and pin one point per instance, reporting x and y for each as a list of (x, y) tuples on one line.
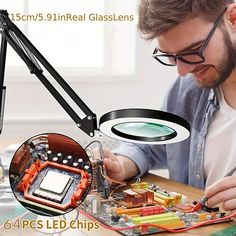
[(159, 226)]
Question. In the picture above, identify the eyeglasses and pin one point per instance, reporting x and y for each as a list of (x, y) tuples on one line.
[(194, 57)]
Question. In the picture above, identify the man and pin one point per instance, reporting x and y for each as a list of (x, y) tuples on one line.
[(199, 38)]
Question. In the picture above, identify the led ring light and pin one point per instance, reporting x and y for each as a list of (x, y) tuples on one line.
[(144, 126)]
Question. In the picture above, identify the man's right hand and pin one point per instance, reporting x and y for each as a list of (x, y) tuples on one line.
[(117, 167)]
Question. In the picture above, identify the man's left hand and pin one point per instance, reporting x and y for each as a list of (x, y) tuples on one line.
[(223, 191)]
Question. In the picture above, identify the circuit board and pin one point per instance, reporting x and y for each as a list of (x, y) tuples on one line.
[(50, 174), (145, 203)]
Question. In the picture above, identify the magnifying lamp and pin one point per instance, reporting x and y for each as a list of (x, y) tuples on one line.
[(132, 125), (144, 126)]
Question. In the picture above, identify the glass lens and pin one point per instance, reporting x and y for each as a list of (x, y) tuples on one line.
[(169, 60), (194, 58), (142, 129), (186, 58)]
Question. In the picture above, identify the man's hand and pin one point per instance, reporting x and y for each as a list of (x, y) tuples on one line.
[(223, 191), (117, 167)]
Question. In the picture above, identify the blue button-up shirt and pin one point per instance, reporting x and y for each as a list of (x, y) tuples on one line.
[(184, 160)]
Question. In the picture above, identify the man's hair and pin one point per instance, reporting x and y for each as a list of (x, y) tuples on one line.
[(158, 16)]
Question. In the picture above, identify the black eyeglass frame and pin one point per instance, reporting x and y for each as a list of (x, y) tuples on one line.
[(199, 52)]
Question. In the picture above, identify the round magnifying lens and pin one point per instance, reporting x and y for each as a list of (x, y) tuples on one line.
[(137, 130), (144, 126)]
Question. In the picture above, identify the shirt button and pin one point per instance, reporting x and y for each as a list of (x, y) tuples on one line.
[(199, 146), (198, 177)]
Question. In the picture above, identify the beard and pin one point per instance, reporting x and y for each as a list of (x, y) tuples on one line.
[(228, 62), (226, 65)]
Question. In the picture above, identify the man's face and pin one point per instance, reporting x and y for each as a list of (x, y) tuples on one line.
[(220, 54)]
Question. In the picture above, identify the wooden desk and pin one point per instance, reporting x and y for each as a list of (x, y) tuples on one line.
[(169, 185)]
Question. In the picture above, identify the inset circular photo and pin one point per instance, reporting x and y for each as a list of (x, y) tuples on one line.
[(50, 174)]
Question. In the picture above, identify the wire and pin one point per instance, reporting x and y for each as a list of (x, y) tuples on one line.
[(228, 217), (117, 187), (95, 141), (90, 152), (103, 171), (120, 184), (100, 148), (102, 158)]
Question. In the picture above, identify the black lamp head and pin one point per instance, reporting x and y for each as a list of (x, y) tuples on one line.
[(144, 126)]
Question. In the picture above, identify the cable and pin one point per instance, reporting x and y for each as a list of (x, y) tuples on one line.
[(102, 158), (120, 184), (117, 187), (90, 152), (95, 141), (100, 148), (161, 227)]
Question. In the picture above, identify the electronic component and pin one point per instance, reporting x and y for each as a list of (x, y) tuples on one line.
[(163, 199), (170, 220), (141, 211), (55, 159), (205, 208), (153, 210), (99, 183), (115, 218), (20, 160), (139, 185), (54, 186), (65, 162), (49, 155), (75, 164), (60, 157), (137, 197), (183, 208), (47, 184), (69, 159), (81, 163)]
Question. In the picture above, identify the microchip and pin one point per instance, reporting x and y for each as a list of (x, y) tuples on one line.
[(54, 186)]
